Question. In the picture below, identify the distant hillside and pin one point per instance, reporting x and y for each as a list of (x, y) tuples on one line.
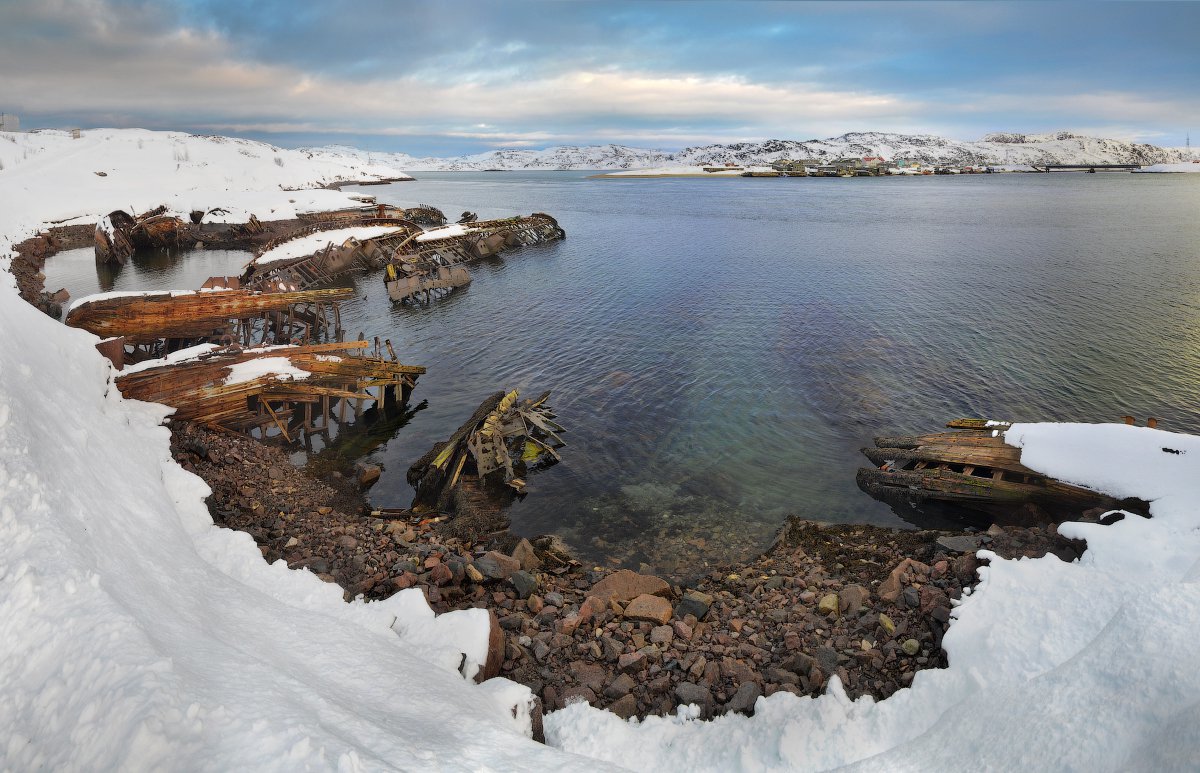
[(997, 148)]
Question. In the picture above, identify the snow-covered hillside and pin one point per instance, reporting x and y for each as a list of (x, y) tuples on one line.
[(998, 149), (107, 169)]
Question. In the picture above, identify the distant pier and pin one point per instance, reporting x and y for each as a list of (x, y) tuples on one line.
[(1085, 167)]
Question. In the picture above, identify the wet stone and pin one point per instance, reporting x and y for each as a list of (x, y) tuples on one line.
[(524, 582), (693, 603)]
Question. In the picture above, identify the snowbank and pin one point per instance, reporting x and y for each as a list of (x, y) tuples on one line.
[(445, 232), (136, 635), (1053, 666)]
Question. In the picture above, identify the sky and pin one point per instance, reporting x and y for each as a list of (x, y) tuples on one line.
[(450, 77)]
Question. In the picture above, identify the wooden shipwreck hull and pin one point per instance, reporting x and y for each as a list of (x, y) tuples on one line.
[(972, 468), (119, 234), (151, 317), (276, 386), (424, 262)]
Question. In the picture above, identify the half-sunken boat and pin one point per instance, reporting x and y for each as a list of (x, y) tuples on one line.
[(971, 467)]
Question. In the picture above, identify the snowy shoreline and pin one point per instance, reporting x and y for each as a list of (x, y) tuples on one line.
[(140, 635)]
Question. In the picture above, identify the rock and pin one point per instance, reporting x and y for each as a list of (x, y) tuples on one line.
[(682, 630), (620, 687), (912, 598), (524, 582), (891, 588), (799, 663), (524, 555), (932, 598), (774, 583), (346, 541), (910, 646), (369, 474), (577, 695), (274, 473), (497, 566), (887, 624), (828, 604), (662, 634), (631, 661), (744, 699), (964, 568), (590, 675), (625, 707), (827, 659), (441, 575), (959, 543), (474, 574), (653, 609), (852, 598), (693, 603), (534, 604), (625, 586), (689, 693), (611, 648), (591, 607), (554, 599)]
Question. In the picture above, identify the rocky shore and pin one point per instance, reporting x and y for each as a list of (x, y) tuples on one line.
[(867, 604)]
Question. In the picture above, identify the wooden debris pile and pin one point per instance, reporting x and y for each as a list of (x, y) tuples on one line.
[(971, 468), (493, 452), (118, 234), (287, 388)]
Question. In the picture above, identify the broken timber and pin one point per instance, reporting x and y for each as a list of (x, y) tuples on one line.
[(256, 389), (972, 468), (430, 261), (118, 234), (492, 453), (326, 263)]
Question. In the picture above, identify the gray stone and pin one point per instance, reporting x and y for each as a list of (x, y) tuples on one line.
[(690, 693), (774, 583), (827, 658), (743, 700), (524, 582), (910, 646), (959, 544), (693, 603), (621, 686), (912, 597), (554, 599), (799, 663), (662, 634), (496, 565)]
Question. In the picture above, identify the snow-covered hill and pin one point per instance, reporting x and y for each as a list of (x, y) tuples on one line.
[(998, 148)]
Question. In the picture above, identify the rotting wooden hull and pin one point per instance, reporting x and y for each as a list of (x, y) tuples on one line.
[(199, 389), (145, 318), (972, 468), (404, 288)]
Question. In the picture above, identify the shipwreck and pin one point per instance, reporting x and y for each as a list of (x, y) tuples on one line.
[(970, 467)]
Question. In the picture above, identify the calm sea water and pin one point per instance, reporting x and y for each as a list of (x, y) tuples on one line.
[(719, 350)]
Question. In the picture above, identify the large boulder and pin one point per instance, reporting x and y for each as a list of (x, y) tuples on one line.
[(624, 586)]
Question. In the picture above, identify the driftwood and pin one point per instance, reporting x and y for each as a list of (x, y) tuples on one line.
[(972, 468), (495, 449)]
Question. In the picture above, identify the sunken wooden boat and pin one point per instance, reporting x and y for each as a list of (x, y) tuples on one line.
[(207, 314), (118, 234), (971, 467), (424, 264), (241, 389)]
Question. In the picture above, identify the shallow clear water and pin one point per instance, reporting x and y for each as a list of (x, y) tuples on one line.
[(719, 350)]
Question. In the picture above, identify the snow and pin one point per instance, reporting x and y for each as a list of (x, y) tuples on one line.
[(279, 367), (1090, 665), (315, 242), (1014, 151), (1181, 166), (138, 635), (445, 232), (174, 358)]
